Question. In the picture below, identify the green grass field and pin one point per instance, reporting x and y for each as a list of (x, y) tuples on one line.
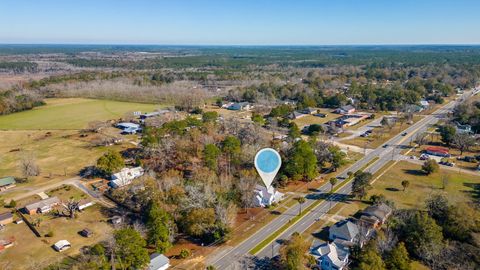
[(70, 113), (459, 188)]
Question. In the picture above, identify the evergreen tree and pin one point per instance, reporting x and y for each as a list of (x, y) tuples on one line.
[(210, 156), (158, 226), (398, 258), (130, 251), (301, 162)]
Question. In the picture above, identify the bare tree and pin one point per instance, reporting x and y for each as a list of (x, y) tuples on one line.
[(71, 207), (226, 213), (421, 138), (28, 166), (463, 141), (95, 126), (246, 186)]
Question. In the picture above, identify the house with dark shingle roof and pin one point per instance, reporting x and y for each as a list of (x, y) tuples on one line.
[(376, 214), (7, 182), (309, 110)]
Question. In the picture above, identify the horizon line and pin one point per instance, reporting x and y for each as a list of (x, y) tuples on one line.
[(241, 45)]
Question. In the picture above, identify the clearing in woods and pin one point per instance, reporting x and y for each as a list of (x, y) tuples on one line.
[(70, 113)]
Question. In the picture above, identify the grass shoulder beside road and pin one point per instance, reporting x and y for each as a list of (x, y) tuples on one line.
[(306, 211)]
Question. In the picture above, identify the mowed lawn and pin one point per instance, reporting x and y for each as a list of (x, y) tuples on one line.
[(460, 187), (70, 113)]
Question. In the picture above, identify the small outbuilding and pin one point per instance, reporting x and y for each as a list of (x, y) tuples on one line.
[(62, 245), (116, 220), (86, 233)]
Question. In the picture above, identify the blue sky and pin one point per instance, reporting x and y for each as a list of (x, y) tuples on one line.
[(240, 22)]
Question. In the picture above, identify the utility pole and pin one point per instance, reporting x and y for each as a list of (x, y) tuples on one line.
[(393, 152)]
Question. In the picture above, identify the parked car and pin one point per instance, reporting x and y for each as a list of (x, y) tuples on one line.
[(385, 146), (404, 134), (447, 163), (424, 157)]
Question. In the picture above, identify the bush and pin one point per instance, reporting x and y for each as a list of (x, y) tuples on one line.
[(12, 204), (49, 234), (184, 253), (430, 166)]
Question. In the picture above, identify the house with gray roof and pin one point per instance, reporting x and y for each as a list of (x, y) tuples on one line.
[(158, 262), (7, 182), (344, 230), (240, 106), (376, 214), (42, 206), (296, 115), (345, 109), (331, 256)]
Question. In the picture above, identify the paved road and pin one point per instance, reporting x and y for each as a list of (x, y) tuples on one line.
[(226, 259)]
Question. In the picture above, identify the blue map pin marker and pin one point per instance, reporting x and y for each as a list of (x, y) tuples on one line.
[(267, 163)]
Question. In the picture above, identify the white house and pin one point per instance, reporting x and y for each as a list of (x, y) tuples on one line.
[(424, 104), (265, 197), (125, 176), (158, 262), (129, 128), (331, 256)]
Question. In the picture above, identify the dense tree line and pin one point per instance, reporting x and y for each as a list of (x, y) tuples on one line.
[(19, 100), (19, 66)]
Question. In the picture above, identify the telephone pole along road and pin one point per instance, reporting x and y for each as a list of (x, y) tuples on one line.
[(384, 154)]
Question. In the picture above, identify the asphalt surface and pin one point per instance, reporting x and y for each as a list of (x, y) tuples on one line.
[(227, 258)]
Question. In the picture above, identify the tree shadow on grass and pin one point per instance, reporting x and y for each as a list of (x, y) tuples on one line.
[(414, 172), (392, 189), (475, 192)]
